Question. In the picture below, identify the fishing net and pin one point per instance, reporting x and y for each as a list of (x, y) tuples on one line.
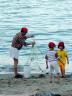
[(36, 60)]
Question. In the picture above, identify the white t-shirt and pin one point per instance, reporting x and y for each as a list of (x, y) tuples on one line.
[(51, 55)]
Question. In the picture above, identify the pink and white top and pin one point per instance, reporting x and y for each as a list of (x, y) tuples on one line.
[(50, 56)]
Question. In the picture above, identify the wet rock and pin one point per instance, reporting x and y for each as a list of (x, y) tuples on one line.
[(45, 94), (41, 76)]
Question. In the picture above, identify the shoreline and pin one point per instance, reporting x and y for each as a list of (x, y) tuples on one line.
[(27, 87)]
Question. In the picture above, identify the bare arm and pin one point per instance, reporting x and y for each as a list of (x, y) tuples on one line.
[(67, 60), (30, 36), (32, 43), (46, 64), (46, 57)]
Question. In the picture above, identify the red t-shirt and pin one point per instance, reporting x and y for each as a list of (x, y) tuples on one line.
[(18, 41)]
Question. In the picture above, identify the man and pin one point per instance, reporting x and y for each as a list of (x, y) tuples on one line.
[(17, 43)]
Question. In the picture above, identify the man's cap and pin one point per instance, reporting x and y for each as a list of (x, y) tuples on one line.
[(24, 30)]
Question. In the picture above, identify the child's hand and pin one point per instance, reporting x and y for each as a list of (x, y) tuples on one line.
[(47, 67), (56, 55), (67, 62), (46, 57)]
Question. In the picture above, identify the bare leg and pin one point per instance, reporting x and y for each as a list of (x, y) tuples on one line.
[(17, 75), (15, 66), (51, 73), (58, 78), (63, 72), (51, 77)]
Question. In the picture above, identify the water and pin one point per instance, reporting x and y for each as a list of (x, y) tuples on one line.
[(48, 20)]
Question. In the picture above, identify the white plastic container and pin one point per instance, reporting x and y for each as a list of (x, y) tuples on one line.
[(27, 71)]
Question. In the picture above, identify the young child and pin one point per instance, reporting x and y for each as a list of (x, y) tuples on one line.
[(62, 58), (52, 60)]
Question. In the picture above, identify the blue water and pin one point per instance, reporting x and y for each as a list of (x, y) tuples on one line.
[(48, 20)]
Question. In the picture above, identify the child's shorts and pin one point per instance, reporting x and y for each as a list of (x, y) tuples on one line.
[(14, 53), (54, 67)]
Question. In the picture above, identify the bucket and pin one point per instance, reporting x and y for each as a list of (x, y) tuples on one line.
[(27, 71)]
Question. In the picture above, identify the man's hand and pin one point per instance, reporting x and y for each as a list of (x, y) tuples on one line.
[(33, 43), (32, 35)]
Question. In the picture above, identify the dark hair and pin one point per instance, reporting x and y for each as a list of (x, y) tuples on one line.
[(61, 46)]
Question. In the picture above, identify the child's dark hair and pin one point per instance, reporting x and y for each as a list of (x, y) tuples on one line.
[(61, 44)]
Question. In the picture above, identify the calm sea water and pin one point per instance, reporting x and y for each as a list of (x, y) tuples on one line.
[(48, 20)]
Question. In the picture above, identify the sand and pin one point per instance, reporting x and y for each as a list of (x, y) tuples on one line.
[(27, 87)]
